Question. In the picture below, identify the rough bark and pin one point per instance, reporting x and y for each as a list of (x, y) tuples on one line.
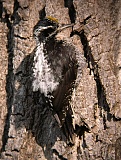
[(27, 129)]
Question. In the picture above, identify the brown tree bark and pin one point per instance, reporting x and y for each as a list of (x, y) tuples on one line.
[(29, 131)]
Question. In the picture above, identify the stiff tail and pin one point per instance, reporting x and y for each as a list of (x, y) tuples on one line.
[(68, 129)]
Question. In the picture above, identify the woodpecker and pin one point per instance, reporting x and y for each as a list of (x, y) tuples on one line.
[(56, 71)]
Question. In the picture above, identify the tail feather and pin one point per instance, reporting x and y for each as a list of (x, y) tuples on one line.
[(68, 129)]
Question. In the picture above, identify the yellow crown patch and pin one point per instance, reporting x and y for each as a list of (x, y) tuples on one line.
[(52, 19)]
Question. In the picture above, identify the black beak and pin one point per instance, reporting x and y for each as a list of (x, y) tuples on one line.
[(64, 27), (59, 29)]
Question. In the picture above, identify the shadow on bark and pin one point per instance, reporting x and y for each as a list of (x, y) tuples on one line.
[(9, 77), (38, 118)]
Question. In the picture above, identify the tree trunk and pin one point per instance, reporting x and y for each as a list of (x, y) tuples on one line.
[(28, 130)]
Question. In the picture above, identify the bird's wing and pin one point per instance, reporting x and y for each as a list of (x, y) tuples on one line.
[(62, 97), (63, 62)]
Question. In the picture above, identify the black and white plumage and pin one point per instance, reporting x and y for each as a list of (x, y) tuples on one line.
[(56, 72)]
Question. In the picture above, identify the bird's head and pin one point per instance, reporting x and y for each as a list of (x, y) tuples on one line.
[(48, 28), (45, 27)]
